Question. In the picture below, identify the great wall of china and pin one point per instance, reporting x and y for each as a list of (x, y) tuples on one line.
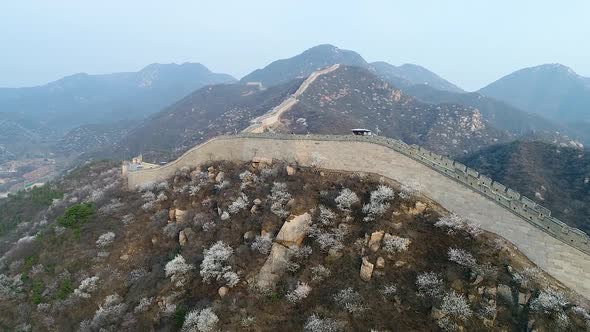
[(560, 250)]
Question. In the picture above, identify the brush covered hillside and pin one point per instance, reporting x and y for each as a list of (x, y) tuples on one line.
[(409, 74), (555, 177), (206, 113), (238, 247), (552, 90), (499, 114), (352, 97)]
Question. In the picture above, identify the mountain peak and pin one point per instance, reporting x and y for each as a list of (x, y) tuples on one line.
[(410, 74), (303, 64)]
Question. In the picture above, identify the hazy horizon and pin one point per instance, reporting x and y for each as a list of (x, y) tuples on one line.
[(469, 44)]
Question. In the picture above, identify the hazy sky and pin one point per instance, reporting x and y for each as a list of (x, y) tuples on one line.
[(469, 42)]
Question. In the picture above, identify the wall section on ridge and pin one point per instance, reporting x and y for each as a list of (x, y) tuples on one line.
[(555, 247)]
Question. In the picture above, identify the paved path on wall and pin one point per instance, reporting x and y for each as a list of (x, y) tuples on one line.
[(565, 263), (271, 118)]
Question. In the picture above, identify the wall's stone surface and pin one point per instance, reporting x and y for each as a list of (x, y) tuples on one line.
[(496, 208)]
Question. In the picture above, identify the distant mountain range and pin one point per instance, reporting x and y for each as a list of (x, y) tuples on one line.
[(81, 98), (553, 91), (555, 177)]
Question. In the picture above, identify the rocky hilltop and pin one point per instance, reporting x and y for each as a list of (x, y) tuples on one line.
[(261, 247)]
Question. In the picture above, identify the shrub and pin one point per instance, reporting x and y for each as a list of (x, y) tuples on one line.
[(86, 287), (299, 293), (214, 265), (455, 223), (239, 204), (462, 258), (316, 324), (279, 198), (107, 315), (350, 300), (10, 287), (378, 203), (346, 199), (319, 273), (262, 244), (388, 291), (76, 215), (326, 216), (429, 284), (456, 306), (65, 289), (177, 269), (393, 244), (200, 321), (143, 305), (549, 301), (105, 239)]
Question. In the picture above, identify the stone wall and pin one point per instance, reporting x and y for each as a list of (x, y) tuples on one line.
[(495, 208)]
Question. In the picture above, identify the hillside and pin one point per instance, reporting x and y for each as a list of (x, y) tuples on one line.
[(552, 90), (501, 115), (555, 177), (208, 112), (353, 97), (194, 253), (409, 74)]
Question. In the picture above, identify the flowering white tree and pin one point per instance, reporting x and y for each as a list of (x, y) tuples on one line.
[(350, 300), (177, 269), (87, 286), (299, 293), (105, 239), (429, 284), (319, 273), (326, 216), (455, 306), (316, 324), (378, 203), (262, 244), (215, 266), (346, 199), (204, 320), (279, 197), (239, 204), (393, 244), (462, 258)]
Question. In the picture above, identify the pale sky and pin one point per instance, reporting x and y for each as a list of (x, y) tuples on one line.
[(468, 42)]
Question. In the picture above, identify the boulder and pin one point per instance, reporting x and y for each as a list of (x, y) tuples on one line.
[(274, 267), (290, 170), (219, 177), (262, 161), (294, 231), (375, 240), (249, 235), (366, 269), (222, 291), (180, 215), (225, 216), (257, 201), (124, 257), (172, 215), (523, 298), (478, 280), (380, 264), (399, 263), (505, 293), (418, 208), (254, 209), (182, 238)]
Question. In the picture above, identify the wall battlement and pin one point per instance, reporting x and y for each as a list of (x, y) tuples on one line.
[(508, 198)]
